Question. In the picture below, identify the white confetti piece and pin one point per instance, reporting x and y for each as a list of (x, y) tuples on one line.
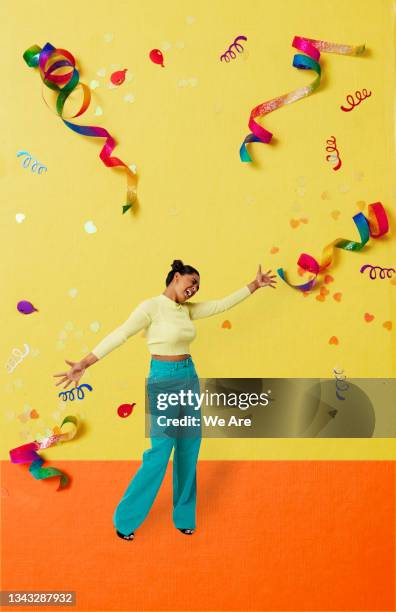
[(73, 292), (90, 227), (19, 217), (133, 168), (101, 72), (129, 98), (69, 325), (98, 111), (108, 37), (190, 19), (94, 84), (94, 326), (56, 415)]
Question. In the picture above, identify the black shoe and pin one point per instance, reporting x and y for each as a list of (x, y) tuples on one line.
[(186, 531), (124, 536)]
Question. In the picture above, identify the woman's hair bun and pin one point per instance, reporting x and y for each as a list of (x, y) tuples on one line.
[(177, 265)]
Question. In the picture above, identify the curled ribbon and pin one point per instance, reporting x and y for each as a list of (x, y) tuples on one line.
[(49, 61), (309, 61), (70, 393), (376, 225), (28, 453), (383, 271)]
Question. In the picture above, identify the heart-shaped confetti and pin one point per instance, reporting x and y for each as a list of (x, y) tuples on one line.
[(19, 217), (337, 297), (94, 326), (34, 414), (98, 111), (320, 298), (324, 291), (274, 250), (387, 325), (73, 292), (294, 223), (333, 340), (335, 214), (90, 227), (368, 317), (226, 324), (328, 279), (94, 84)]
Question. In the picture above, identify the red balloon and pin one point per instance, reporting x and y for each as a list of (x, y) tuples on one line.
[(157, 57), (125, 410), (117, 78)]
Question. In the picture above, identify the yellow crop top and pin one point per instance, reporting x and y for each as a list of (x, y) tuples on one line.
[(168, 324)]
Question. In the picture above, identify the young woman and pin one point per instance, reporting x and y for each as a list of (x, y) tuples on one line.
[(167, 319)]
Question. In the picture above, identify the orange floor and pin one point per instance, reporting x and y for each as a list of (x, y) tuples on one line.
[(272, 535)]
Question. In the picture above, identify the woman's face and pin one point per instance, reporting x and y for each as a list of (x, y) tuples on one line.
[(186, 286)]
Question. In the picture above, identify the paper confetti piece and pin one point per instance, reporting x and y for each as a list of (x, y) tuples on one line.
[(48, 60), (334, 340), (108, 37), (129, 98), (374, 225), (27, 453), (20, 217), (34, 414), (94, 326), (90, 227), (361, 205), (368, 317), (98, 111), (335, 214), (190, 20), (320, 298), (325, 195), (328, 279), (387, 325), (101, 72), (274, 250), (337, 296), (94, 84), (226, 324), (294, 223), (73, 292), (310, 61)]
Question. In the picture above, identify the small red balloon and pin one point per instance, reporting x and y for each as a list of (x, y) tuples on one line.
[(157, 57), (125, 410), (117, 78)]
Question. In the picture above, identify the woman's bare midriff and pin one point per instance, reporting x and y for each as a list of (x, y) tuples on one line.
[(170, 357)]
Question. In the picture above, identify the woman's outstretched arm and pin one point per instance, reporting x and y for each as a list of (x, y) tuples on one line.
[(199, 310)]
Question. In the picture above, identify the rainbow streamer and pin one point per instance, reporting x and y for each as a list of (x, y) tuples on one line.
[(28, 453), (50, 61), (375, 225), (309, 61)]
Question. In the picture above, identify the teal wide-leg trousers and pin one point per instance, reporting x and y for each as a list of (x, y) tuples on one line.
[(166, 377)]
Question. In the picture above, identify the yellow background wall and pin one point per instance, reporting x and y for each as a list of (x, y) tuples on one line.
[(198, 202)]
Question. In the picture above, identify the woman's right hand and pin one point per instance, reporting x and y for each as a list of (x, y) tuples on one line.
[(73, 375)]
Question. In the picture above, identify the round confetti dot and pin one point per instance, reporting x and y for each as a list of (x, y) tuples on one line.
[(94, 326), (129, 98), (334, 340), (108, 37), (98, 111), (101, 72), (368, 317), (20, 217), (94, 84), (73, 292), (226, 324), (90, 227)]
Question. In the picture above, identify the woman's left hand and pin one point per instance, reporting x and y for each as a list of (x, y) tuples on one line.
[(265, 280)]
